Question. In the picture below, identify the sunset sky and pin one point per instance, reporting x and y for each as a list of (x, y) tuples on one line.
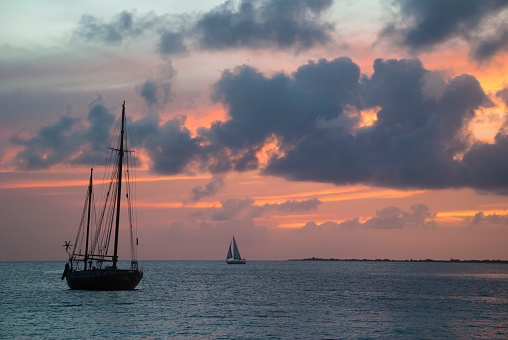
[(345, 129)]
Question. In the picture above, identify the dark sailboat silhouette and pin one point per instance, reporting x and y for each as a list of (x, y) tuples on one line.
[(233, 256), (90, 267)]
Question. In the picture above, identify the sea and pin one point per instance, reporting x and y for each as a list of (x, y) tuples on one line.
[(262, 300)]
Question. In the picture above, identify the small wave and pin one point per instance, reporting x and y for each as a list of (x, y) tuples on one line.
[(495, 276), (69, 305)]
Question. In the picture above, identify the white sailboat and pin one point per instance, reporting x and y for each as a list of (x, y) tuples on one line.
[(233, 254)]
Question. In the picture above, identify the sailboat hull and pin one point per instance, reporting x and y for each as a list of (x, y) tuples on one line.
[(104, 279), (235, 261)]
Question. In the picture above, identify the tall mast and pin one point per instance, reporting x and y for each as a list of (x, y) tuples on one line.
[(120, 161), (88, 220)]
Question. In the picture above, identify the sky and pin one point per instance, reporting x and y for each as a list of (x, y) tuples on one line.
[(305, 128)]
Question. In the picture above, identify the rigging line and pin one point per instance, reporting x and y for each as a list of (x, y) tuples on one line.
[(133, 202), (105, 193), (95, 219), (104, 227), (96, 242), (104, 243), (129, 195), (133, 248), (104, 197), (110, 155), (107, 235), (135, 216), (131, 192), (106, 224), (78, 238)]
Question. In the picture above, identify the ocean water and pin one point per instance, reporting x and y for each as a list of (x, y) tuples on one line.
[(262, 300)]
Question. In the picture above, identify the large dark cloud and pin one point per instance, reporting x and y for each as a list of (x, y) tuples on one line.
[(253, 24), (415, 142), (288, 107), (420, 25)]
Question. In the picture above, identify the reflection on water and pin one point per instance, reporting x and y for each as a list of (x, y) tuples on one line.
[(288, 300), (487, 299), (493, 276)]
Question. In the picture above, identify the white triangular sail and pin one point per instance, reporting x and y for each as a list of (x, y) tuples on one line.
[(229, 253), (235, 250)]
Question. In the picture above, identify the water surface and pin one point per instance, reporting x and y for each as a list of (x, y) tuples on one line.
[(262, 299)]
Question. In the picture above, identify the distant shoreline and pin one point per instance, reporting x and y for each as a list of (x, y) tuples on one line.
[(411, 260)]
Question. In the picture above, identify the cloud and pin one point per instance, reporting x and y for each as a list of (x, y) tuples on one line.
[(420, 139), (288, 207), (97, 135), (503, 94), (421, 25), (210, 189), (395, 218), (123, 26), (386, 218), (171, 43), (170, 146), (51, 146), (156, 91), (229, 209), (254, 24), (485, 48), (285, 106), (294, 206), (481, 218), (415, 141), (484, 165), (67, 141), (246, 209), (281, 24)]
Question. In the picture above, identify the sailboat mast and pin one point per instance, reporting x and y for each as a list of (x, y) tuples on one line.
[(120, 162), (88, 220)]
